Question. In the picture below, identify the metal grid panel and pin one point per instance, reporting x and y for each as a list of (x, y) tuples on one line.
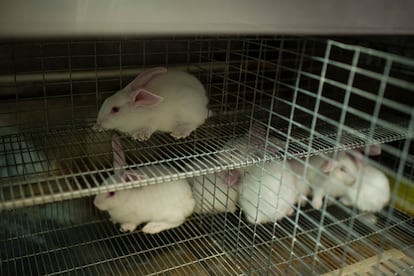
[(286, 97), (391, 261), (218, 244), (77, 167)]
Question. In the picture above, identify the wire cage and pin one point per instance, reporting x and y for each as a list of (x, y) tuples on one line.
[(274, 99)]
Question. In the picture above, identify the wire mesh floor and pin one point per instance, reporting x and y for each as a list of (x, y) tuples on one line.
[(207, 245)]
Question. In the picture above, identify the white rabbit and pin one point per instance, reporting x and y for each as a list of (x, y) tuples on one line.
[(163, 205), (371, 191), (156, 100), (216, 193), (326, 176), (267, 194)]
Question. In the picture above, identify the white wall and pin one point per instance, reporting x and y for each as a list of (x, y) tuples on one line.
[(105, 17)]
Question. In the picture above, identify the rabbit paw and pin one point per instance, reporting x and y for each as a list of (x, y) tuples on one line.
[(142, 135), (317, 202), (156, 227), (182, 131), (127, 227), (302, 201), (368, 217)]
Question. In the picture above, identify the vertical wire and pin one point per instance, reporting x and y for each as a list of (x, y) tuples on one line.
[(269, 123), (225, 87), (349, 86), (400, 171), (288, 135), (47, 114), (262, 166), (375, 115), (71, 85), (95, 59), (313, 126)]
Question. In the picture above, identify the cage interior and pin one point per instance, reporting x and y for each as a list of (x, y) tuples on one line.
[(272, 99)]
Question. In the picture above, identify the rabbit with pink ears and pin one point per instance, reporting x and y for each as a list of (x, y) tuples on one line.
[(162, 206), (156, 100)]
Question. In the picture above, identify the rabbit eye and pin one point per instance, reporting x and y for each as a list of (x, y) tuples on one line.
[(110, 194), (343, 169), (114, 109)]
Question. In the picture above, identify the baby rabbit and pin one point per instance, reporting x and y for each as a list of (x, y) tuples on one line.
[(216, 193), (162, 206), (326, 176), (371, 191), (267, 194), (156, 100)]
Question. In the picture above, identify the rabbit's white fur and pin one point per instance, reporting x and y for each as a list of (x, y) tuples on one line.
[(163, 205), (371, 191), (326, 176), (268, 193), (175, 102), (216, 193)]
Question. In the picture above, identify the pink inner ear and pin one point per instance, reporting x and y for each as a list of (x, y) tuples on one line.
[(328, 165), (142, 79), (356, 157), (232, 177), (143, 97), (374, 150)]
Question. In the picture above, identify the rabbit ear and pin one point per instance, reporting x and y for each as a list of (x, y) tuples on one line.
[(372, 150), (357, 157), (142, 79), (142, 97), (118, 154), (232, 177), (329, 165)]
